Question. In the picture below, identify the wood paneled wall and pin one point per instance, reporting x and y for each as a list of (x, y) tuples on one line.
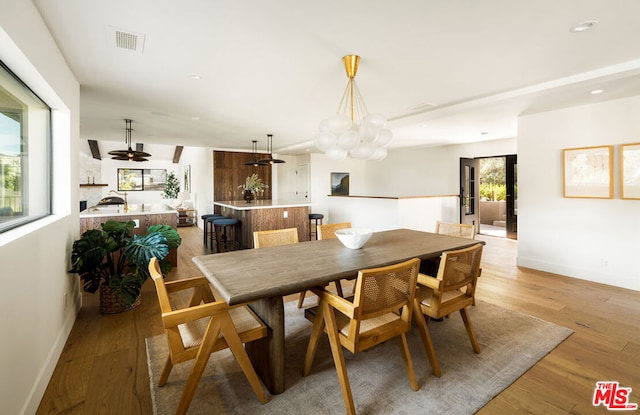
[(229, 172), (269, 219)]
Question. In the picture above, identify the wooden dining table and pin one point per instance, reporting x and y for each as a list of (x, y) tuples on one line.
[(262, 277)]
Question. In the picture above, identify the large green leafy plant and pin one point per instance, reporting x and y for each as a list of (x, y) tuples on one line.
[(114, 257)]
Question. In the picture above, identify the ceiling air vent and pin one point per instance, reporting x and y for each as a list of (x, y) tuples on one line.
[(127, 40)]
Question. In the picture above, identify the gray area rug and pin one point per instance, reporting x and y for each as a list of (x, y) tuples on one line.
[(510, 344)]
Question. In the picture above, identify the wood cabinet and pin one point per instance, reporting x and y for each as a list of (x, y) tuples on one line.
[(230, 171), (186, 217)]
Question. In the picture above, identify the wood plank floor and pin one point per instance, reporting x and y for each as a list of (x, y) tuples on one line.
[(103, 367)]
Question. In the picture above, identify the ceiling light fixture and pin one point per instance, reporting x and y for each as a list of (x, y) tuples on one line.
[(353, 131), (255, 161), (270, 160), (583, 26), (129, 154)]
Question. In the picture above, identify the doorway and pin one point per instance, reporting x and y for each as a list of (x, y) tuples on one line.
[(489, 195)]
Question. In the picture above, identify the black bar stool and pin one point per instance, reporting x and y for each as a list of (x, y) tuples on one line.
[(222, 236), (315, 217), (208, 227)]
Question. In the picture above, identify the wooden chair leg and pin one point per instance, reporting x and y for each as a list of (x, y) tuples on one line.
[(408, 363), (339, 288), (208, 341), (316, 332), (165, 372), (301, 298), (426, 339), (233, 340), (470, 332), (338, 358)]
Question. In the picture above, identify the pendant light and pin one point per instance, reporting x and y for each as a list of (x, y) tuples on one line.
[(353, 131), (255, 161), (270, 160), (129, 154)]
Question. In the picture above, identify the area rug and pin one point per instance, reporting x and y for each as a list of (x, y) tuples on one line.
[(510, 344)]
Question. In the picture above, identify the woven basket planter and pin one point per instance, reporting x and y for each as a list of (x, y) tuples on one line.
[(110, 303)]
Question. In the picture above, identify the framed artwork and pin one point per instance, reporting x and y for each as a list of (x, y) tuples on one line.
[(340, 184), (137, 180), (588, 172), (630, 171), (187, 178)]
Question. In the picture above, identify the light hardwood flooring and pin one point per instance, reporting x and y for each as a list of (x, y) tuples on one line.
[(103, 367)]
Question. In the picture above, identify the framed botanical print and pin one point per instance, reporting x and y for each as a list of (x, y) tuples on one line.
[(588, 172), (630, 171)]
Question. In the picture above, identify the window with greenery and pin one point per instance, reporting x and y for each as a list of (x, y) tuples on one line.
[(25, 148), (141, 179)]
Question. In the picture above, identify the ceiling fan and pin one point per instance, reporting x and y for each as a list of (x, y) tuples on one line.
[(129, 154)]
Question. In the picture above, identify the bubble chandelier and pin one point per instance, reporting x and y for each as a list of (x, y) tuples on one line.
[(353, 131)]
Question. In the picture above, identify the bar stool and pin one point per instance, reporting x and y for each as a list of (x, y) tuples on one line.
[(222, 237), (208, 227), (315, 217)]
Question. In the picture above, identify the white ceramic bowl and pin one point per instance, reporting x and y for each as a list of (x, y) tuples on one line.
[(354, 238)]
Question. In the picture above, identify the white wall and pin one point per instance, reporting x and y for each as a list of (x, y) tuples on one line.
[(592, 239), (34, 258), (201, 162), (429, 171)]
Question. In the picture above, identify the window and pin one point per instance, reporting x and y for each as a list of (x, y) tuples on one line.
[(25, 152), (141, 179)]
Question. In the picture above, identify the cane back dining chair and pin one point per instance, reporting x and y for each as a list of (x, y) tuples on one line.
[(381, 310), (462, 230), (327, 231), (453, 289), (264, 239), (203, 327)]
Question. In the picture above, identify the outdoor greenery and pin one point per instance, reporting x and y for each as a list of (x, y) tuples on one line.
[(172, 188), (492, 179)]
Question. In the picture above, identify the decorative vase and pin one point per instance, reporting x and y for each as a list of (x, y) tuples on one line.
[(110, 303), (248, 196)]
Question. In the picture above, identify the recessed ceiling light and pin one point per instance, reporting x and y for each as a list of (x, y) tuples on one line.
[(583, 26), (596, 91), (195, 77)]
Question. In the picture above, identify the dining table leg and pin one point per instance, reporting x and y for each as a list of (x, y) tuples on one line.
[(267, 354)]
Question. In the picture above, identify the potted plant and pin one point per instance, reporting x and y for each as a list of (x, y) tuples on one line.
[(116, 261), (252, 185), (172, 188)]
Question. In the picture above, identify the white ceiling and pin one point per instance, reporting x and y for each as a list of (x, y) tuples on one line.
[(442, 71)]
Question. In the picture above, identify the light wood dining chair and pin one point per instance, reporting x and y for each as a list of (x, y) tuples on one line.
[(328, 231), (264, 239), (462, 230), (203, 327), (453, 289), (381, 310)]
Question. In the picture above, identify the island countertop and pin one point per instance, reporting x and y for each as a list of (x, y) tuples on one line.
[(258, 204), (132, 210), (264, 215)]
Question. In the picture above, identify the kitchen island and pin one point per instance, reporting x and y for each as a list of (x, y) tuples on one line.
[(144, 215), (264, 215)]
